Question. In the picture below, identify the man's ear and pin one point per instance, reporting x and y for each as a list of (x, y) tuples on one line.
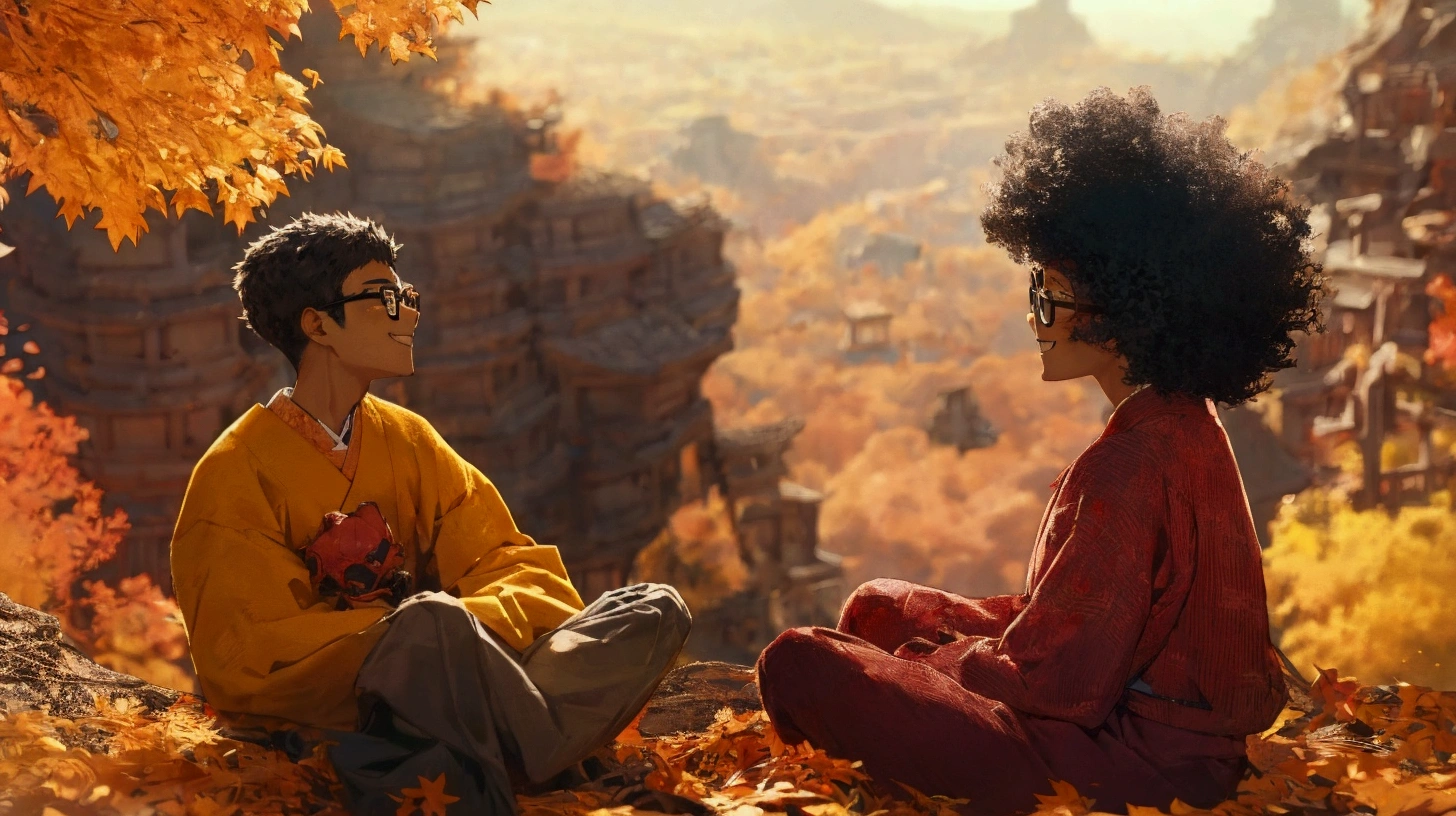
[(317, 326)]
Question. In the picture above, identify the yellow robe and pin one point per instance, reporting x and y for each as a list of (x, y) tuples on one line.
[(263, 643)]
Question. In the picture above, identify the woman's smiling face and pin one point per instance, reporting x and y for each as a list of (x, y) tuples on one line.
[(1063, 358)]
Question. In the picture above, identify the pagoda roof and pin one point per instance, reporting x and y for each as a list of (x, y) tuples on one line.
[(867, 310), (772, 434), (710, 301), (825, 566), (642, 345), (132, 315), (590, 184), (795, 492), (407, 108), (664, 219), (1340, 258), (1298, 382), (661, 220), (1353, 293)]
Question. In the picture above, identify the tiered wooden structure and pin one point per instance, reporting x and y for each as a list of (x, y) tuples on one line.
[(777, 525), (566, 325), (958, 421), (1383, 187), (617, 276), (144, 347)]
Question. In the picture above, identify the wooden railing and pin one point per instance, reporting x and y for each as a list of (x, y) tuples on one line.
[(1413, 484)]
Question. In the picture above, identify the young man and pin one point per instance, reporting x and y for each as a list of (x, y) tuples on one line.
[(1171, 269), (309, 519)]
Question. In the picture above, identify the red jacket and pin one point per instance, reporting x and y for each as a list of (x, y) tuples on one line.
[(1146, 588)]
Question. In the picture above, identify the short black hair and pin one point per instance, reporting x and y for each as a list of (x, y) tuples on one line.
[(301, 265), (1196, 254)]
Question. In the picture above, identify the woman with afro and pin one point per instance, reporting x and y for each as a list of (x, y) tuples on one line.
[(1171, 268)]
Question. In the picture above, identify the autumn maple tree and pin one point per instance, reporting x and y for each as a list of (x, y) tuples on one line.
[(1441, 348), (52, 528), (125, 106), (54, 531)]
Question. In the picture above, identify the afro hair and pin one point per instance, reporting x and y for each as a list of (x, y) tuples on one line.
[(1196, 255)]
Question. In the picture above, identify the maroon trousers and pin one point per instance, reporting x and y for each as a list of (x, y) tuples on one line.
[(845, 692)]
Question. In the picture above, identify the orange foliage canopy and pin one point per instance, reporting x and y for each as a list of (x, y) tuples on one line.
[(115, 105)]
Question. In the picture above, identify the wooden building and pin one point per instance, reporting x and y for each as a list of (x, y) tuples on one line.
[(1381, 182), (958, 421), (867, 327), (144, 348), (777, 525)]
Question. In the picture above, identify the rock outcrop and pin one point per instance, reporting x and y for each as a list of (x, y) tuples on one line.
[(41, 669)]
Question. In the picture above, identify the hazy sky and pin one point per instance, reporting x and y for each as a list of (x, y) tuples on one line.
[(1158, 26)]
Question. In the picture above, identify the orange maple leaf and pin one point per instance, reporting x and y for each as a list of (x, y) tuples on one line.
[(1339, 695), (431, 795), (1064, 801)]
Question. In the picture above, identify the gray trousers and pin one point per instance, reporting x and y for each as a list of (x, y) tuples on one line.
[(441, 693)]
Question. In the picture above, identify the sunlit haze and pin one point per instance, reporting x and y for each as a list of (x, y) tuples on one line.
[(1174, 27)]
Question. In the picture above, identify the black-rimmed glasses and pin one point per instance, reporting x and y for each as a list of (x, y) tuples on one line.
[(1044, 306), (391, 296)]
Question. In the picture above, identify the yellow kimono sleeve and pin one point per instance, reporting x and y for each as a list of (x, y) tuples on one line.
[(261, 641), (515, 586)]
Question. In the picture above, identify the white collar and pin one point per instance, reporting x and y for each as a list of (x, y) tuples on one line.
[(339, 443)]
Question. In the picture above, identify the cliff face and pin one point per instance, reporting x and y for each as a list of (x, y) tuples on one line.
[(1044, 33), (568, 319), (1295, 34)]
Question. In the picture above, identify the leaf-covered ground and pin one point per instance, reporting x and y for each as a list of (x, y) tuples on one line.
[(1378, 750)]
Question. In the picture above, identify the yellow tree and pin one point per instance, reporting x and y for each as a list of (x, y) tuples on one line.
[(123, 106), (1366, 592)]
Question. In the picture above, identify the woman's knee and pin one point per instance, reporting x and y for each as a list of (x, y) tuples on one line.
[(801, 657), (871, 600)]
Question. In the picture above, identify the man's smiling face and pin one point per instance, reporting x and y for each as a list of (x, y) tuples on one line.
[(370, 342)]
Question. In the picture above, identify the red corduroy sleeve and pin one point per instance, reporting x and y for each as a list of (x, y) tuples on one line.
[(988, 617), (1068, 654)]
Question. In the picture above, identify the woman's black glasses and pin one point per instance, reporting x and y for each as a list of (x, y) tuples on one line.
[(1044, 306), (391, 296)]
